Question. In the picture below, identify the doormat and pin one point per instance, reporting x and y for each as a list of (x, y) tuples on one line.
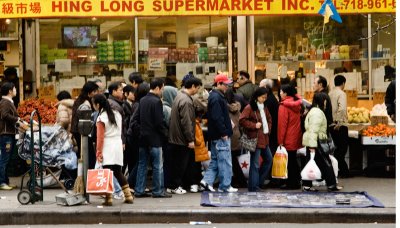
[(290, 199)]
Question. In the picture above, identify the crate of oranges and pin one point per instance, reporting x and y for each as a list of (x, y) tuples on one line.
[(380, 134)]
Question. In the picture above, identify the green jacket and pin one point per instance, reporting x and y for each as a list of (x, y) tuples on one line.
[(247, 90), (315, 125)]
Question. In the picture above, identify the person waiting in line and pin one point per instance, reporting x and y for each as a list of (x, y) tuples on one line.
[(135, 78), (127, 105), (289, 133), (182, 137), (340, 132), (256, 122), (316, 128), (64, 109), (153, 133), (246, 86), (109, 150), (219, 133), (238, 179), (321, 86)]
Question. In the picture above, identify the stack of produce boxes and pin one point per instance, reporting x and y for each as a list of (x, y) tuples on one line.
[(122, 51), (102, 51), (202, 54)]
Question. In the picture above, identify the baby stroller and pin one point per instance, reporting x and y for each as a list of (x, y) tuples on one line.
[(57, 156)]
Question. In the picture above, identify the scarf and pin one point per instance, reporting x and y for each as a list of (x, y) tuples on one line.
[(263, 118)]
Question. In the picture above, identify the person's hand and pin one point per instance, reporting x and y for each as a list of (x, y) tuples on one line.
[(258, 125), (336, 127), (312, 150), (191, 145), (123, 146), (99, 156), (224, 137)]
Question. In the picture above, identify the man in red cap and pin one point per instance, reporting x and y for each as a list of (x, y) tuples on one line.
[(219, 132)]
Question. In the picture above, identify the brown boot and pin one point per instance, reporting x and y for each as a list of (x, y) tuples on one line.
[(127, 194), (108, 200)]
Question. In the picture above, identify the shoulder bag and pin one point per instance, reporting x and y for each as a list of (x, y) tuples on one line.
[(249, 143)]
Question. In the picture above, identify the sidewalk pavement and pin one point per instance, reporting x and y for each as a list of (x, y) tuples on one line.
[(185, 208)]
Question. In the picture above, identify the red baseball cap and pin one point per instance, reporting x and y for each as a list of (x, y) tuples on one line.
[(222, 78)]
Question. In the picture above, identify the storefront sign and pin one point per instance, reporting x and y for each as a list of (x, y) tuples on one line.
[(128, 8), (156, 64)]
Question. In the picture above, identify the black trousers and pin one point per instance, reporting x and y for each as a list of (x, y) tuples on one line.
[(117, 173), (325, 166), (131, 155), (341, 139), (293, 170), (181, 168)]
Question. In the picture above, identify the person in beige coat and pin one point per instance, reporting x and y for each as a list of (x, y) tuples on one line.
[(64, 110)]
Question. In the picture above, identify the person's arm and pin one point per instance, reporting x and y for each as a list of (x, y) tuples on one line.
[(314, 124), (342, 109), (7, 114), (269, 120), (186, 113), (100, 140), (214, 113), (159, 119), (244, 119)]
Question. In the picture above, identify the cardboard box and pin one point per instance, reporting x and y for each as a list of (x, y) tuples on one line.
[(379, 119), (379, 97), (352, 100), (378, 140)]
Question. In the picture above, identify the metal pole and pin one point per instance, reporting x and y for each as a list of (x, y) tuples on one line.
[(136, 45), (85, 156), (369, 58)]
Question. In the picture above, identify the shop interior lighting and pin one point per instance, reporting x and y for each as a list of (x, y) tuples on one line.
[(108, 25), (8, 21)]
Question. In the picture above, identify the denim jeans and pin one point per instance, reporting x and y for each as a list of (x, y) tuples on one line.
[(7, 143), (117, 186), (221, 164), (155, 154), (258, 174)]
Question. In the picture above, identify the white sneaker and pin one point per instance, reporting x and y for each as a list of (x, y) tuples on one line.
[(206, 186), (179, 190), (230, 190), (169, 190), (194, 188), (119, 195)]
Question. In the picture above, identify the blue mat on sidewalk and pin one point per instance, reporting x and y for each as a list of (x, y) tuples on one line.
[(290, 199)]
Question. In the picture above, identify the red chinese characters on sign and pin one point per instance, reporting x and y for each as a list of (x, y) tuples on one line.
[(21, 8)]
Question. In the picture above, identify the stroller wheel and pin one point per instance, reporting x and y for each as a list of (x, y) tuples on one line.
[(69, 184), (24, 197)]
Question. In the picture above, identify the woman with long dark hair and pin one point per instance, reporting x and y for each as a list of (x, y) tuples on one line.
[(256, 122), (289, 132), (109, 150), (316, 128)]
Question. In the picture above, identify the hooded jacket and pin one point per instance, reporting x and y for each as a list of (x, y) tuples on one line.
[(315, 125), (64, 113), (234, 114), (289, 128), (247, 89)]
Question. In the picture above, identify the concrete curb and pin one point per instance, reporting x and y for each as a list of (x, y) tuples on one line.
[(216, 215)]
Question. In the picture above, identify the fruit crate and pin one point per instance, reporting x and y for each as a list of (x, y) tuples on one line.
[(375, 120), (378, 140)]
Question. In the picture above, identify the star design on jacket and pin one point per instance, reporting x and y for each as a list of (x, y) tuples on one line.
[(244, 165)]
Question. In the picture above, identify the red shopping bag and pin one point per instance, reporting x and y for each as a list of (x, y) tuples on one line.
[(99, 181)]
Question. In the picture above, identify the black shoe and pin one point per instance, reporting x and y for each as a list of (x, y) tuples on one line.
[(335, 188), (309, 189), (164, 195), (144, 195)]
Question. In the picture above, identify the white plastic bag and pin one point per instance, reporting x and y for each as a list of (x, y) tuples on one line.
[(244, 162), (311, 171)]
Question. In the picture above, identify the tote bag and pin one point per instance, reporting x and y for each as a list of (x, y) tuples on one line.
[(99, 181), (279, 163)]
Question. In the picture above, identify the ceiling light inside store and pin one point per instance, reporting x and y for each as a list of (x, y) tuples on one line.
[(108, 25), (8, 21)]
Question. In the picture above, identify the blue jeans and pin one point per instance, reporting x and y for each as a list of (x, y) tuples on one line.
[(7, 143), (221, 164), (258, 174), (117, 186), (155, 154)]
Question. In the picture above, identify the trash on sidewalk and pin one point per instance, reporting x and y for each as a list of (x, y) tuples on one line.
[(199, 223), (69, 199)]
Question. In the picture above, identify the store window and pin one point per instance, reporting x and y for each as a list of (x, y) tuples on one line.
[(73, 51), (300, 47), (174, 46)]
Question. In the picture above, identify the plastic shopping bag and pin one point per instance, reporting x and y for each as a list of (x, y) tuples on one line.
[(311, 171), (244, 162), (99, 181), (279, 163)]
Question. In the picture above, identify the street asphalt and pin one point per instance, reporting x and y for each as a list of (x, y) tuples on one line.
[(185, 208)]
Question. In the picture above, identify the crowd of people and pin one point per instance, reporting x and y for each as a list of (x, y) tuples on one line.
[(155, 123)]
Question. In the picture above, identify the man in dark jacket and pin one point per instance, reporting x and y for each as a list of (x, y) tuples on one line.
[(247, 87), (219, 132), (8, 119), (321, 86), (181, 135), (390, 100), (129, 157), (152, 135)]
